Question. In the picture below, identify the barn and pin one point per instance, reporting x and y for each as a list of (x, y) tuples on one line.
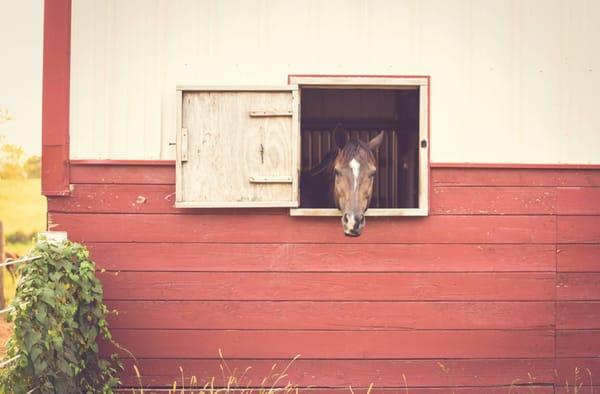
[(175, 136)]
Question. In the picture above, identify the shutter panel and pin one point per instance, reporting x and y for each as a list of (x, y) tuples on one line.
[(237, 147)]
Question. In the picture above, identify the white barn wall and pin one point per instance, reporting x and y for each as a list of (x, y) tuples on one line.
[(512, 82)]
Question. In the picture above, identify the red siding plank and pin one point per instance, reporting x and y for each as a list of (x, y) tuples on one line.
[(578, 286), (578, 315), (157, 174), (356, 373), (117, 198), (578, 229), (492, 200), (131, 198), (322, 257), (579, 343), (283, 228), (514, 177), (578, 258), (153, 198), (328, 286), (332, 315), (578, 201), (336, 344)]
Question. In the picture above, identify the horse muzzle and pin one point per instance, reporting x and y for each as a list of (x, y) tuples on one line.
[(353, 224)]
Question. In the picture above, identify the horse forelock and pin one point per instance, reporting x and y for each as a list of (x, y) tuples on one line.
[(354, 149)]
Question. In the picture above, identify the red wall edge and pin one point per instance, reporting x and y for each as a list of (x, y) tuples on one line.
[(55, 99)]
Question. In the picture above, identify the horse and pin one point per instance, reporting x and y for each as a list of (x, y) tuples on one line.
[(344, 179)]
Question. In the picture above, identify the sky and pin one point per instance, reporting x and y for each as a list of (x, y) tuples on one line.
[(21, 39)]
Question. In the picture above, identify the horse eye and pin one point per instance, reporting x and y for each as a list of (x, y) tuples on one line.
[(337, 172), (372, 175)]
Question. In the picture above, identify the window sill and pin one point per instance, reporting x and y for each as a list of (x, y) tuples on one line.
[(370, 212)]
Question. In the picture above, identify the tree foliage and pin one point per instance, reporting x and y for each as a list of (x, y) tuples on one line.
[(58, 316), (11, 162), (33, 167)]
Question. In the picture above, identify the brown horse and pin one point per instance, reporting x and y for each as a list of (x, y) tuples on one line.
[(345, 180)]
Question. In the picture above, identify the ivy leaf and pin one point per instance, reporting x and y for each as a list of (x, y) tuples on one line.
[(35, 353), (63, 366), (40, 366), (31, 337), (47, 295), (55, 276), (40, 314)]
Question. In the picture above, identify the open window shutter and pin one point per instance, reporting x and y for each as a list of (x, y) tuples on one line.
[(237, 147)]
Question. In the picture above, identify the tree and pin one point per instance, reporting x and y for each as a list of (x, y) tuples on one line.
[(32, 167), (11, 162), (11, 157)]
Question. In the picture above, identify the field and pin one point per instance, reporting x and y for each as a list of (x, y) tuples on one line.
[(22, 207)]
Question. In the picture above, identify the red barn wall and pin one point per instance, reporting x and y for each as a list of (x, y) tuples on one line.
[(500, 285)]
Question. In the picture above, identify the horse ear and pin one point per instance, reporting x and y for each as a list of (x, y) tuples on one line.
[(376, 141), (339, 136)]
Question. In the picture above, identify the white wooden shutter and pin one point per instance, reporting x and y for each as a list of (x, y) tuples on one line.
[(237, 147)]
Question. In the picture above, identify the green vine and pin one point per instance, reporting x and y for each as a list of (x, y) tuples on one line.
[(58, 314)]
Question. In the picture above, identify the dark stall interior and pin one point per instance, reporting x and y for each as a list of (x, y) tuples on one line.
[(362, 114)]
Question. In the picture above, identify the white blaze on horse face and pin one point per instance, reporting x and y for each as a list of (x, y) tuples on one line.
[(351, 222), (355, 165)]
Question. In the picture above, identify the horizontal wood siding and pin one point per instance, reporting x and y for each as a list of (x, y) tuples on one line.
[(271, 257), (252, 286), (349, 315), (264, 228), (330, 345), (498, 287)]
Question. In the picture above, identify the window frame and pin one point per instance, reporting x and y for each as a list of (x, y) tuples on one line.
[(374, 82)]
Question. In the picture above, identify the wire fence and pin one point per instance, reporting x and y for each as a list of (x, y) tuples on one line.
[(19, 260)]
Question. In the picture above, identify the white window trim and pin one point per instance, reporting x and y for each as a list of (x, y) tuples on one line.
[(371, 82)]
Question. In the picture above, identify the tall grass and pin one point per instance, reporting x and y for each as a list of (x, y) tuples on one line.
[(579, 379), (277, 382), (233, 380)]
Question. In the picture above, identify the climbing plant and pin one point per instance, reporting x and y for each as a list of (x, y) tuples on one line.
[(58, 315)]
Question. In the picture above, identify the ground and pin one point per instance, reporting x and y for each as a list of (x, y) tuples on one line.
[(22, 207)]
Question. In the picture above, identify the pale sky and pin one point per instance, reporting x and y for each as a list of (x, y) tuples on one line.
[(21, 43)]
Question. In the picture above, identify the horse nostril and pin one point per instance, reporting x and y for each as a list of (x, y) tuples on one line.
[(345, 218), (358, 222)]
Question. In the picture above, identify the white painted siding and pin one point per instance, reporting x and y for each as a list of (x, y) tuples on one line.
[(512, 82)]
